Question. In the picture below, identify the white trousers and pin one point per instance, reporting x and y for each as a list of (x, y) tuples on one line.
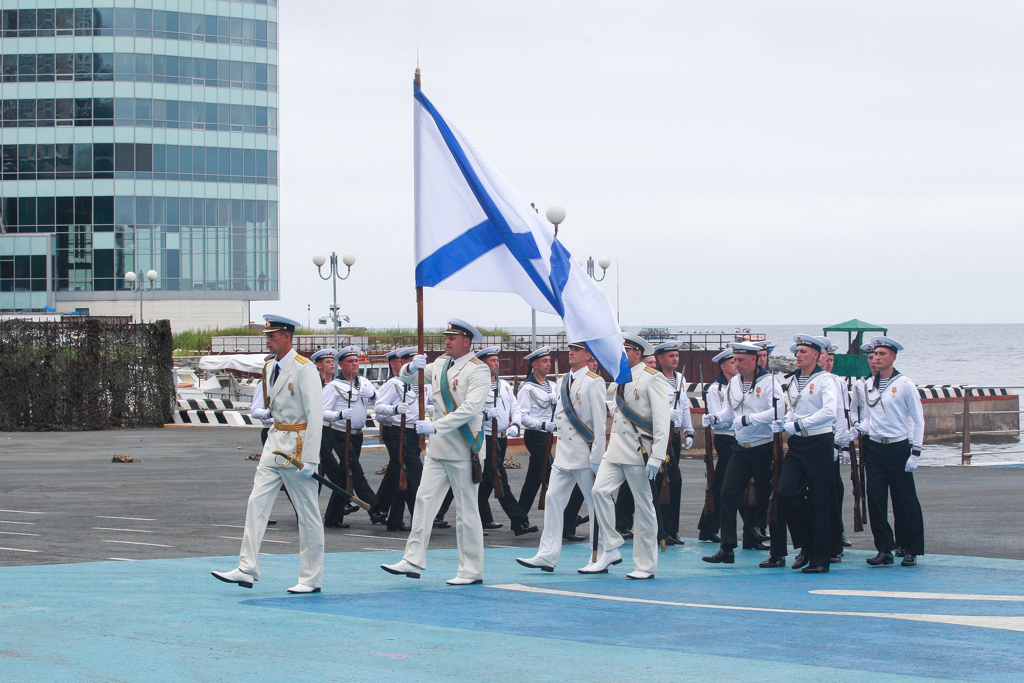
[(303, 492), (645, 522), (437, 477), (560, 485)]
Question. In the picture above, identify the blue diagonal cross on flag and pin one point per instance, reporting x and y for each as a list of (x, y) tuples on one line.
[(475, 232)]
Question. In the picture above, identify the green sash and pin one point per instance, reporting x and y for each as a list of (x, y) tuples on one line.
[(570, 412), (450, 405)]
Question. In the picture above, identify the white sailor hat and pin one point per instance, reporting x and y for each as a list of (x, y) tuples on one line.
[(666, 346), (488, 352), (765, 345), (392, 354), (886, 343), (321, 353), (406, 352), (539, 353), (346, 352), (635, 341), (456, 326), (828, 345), (723, 356), (867, 348), (808, 340), (746, 349), (277, 323), (269, 356)]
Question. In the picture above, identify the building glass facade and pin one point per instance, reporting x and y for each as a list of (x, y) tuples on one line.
[(142, 134)]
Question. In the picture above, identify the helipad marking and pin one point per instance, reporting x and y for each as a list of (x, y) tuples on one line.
[(921, 595), (1003, 623)]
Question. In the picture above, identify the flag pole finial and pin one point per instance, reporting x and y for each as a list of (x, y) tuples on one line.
[(416, 78)]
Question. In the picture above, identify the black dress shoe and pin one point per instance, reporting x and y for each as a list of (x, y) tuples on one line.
[(760, 534), (336, 525), (816, 569), (773, 563), (493, 525), (271, 522), (755, 546), (880, 559), (800, 561), (899, 552), (723, 556), (909, 560), (846, 542), (351, 509), (525, 528), (379, 517), (573, 538), (582, 520), (626, 533), (401, 526), (835, 559), (712, 537), (673, 539), (441, 524)]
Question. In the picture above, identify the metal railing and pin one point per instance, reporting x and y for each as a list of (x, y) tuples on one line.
[(965, 449)]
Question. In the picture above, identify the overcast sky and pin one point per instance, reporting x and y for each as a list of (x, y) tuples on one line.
[(746, 162)]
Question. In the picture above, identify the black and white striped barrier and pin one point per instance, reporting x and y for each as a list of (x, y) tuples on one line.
[(209, 404), (225, 418), (957, 391)]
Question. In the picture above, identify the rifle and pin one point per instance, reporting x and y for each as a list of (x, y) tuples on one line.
[(863, 479), (709, 458), (499, 492), (348, 438), (773, 503), (545, 472), (403, 483), (858, 525), (666, 493)]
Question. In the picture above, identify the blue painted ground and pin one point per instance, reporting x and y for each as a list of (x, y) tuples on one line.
[(168, 620)]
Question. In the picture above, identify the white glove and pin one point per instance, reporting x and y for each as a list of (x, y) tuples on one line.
[(915, 455), (844, 436), (512, 432), (653, 467), (493, 413), (552, 397), (594, 467), (673, 415), (419, 362), (345, 414), (790, 428), (688, 443), (549, 426), (835, 454), (425, 427), (708, 420), (858, 430), (846, 456), (778, 426), (307, 470), (401, 409), (430, 410)]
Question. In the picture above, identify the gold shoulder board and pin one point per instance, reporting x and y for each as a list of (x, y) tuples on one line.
[(593, 375), (301, 359), (476, 360), (650, 370), (444, 357)]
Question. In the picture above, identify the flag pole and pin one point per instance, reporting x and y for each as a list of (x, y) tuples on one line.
[(419, 298)]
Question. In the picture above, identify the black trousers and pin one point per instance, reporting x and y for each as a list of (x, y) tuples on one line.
[(389, 498), (624, 508), (572, 511), (673, 479), (747, 463), (361, 487), (887, 475), (709, 524), (838, 491), (805, 496), (263, 435), (507, 500), (536, 441)]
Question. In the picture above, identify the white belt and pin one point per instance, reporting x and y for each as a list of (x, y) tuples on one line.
[(501, 435), (888, 439), (816, 431), (342, 429), (725, 432), (754, 444)]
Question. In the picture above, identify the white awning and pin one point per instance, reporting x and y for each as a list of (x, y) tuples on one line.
[(246, 362)]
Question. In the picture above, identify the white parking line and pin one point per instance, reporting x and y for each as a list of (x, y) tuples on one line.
[(122, 559), (131, 519), (922, 596), (265, 540), (157, 545), (16, 533), (230, 526), (24, 512), (107, 528), (380, 538), (20, 550), (7, 521)]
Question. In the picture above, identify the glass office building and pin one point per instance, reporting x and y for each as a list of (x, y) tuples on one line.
[(142, 135)]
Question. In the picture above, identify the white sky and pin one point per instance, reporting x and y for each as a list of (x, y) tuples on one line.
[(747, 162)]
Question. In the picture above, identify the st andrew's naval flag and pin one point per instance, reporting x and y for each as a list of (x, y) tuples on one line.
[(475, 232)]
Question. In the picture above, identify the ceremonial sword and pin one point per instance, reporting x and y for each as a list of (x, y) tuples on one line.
[(346, 496)]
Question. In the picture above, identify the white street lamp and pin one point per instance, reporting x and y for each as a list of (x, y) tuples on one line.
[(349, 260), (131, 278)]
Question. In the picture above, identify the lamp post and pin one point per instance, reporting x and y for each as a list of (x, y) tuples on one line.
[(555, 215), (131, 278), (348, 259)]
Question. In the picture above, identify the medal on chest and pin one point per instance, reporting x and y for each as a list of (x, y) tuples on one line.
[(636, 394), (811, 389), (455, 384), (291, 389), (894, 392), (757, 392), (578, 399)]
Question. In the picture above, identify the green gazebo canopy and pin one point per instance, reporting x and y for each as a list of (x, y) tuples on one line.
[(852, 363), (855, 325)]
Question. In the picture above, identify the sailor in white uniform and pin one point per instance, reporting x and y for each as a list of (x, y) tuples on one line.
[(460, 384), (537, 400), (666, 358), (635, 453), (844, 434), (580, 416), (294, 399)]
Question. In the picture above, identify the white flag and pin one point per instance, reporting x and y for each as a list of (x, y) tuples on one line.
[(475, 232)]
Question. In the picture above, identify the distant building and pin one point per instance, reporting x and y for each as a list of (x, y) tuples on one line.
[(136, 137)]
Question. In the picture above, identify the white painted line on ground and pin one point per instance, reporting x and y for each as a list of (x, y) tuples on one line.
[(502, 546), (265, 540), (229, 526), (122, 559), (380, 538), (24, 512), (20, 550), (231, 538), (1002, 623), (921, 595), (134, 531), (130, 519), (157, 545), (7, 521), (16, 533)]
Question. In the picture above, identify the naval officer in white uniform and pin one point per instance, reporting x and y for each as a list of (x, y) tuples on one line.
[(580, 419), (636, 450), (295, 402), (460, 383)]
